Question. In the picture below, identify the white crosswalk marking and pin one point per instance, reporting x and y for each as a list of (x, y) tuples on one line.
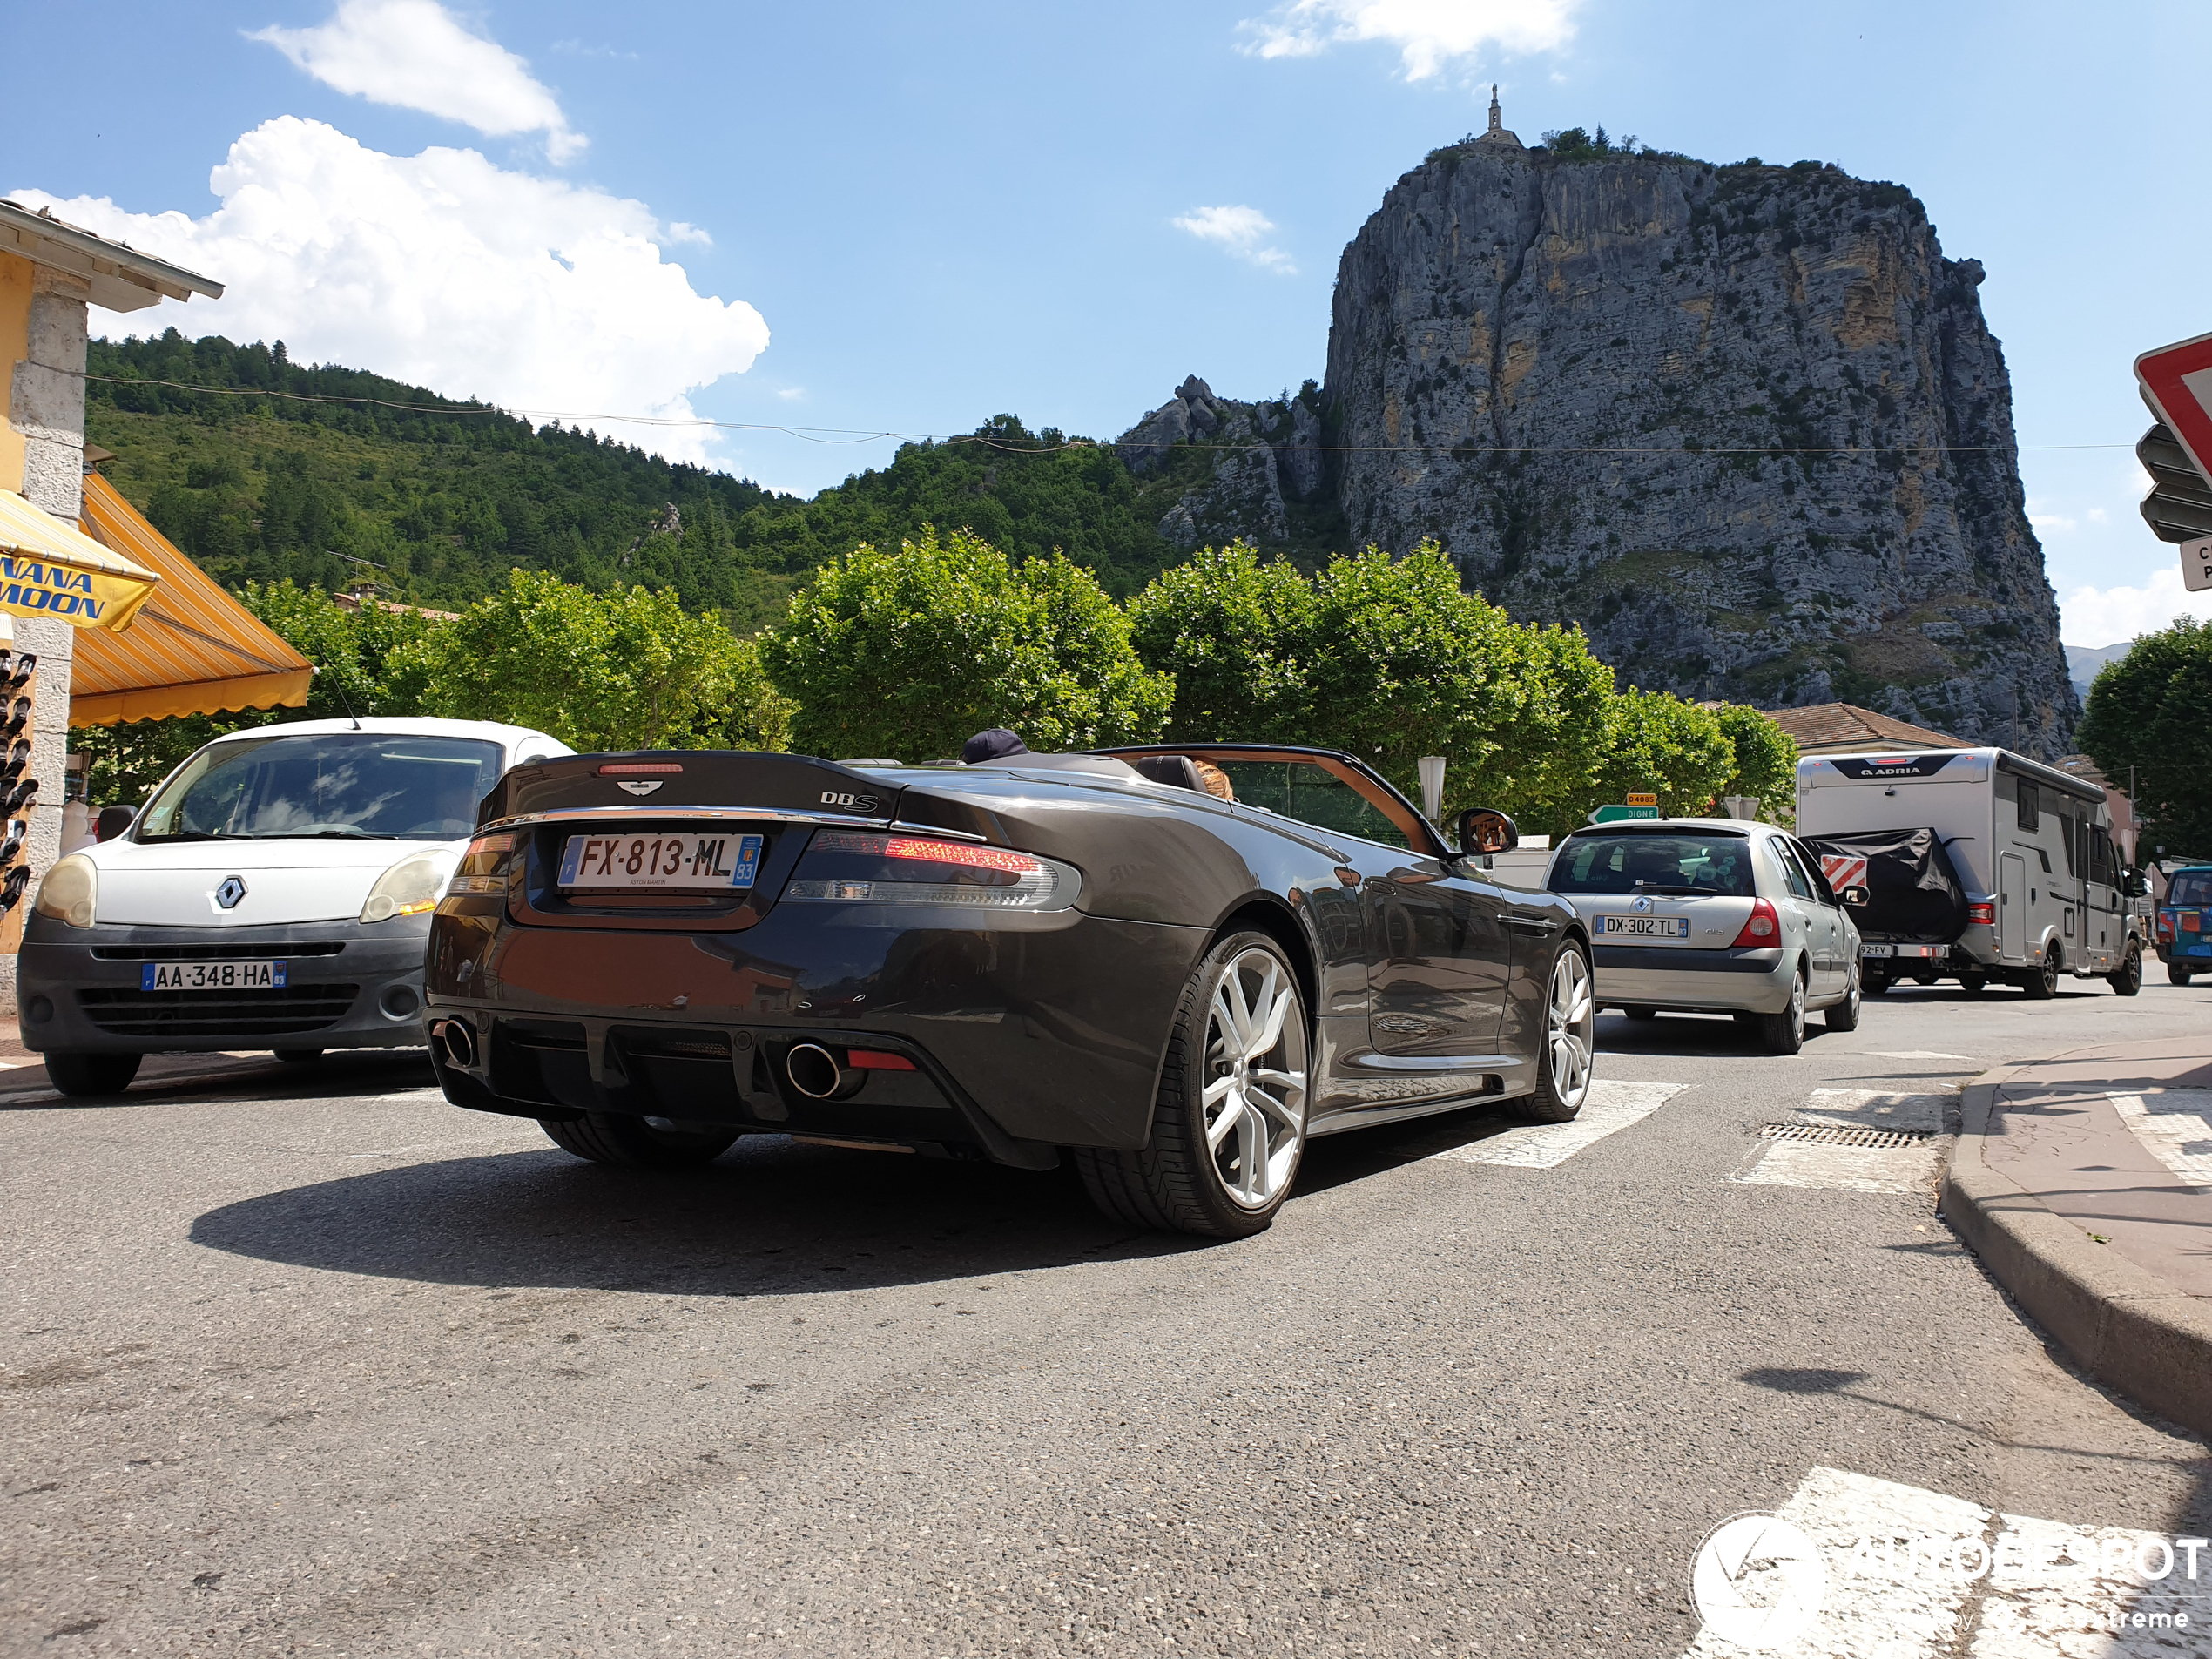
[(1611, 1106), (1831, 1167), (2176, 1125)]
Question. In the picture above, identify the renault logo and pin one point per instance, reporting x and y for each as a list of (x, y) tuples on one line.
[(230, 893), (1640, 903)]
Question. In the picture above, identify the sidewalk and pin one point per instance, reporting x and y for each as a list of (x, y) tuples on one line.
[(2084, 1182)]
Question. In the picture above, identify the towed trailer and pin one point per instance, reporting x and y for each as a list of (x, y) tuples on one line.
[(2044, 888)]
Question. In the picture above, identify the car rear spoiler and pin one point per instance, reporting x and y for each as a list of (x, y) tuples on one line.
[(798, 787)]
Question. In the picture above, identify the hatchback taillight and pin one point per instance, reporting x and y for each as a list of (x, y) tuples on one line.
[(2166, 926), (1762, 927), (1985, 913)]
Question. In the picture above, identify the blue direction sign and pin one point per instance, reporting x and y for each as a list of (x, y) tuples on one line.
[(1615, 814)]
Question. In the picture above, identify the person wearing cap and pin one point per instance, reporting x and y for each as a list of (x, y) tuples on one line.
[(996, 744)]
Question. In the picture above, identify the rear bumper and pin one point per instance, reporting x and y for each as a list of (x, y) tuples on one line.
[(350, 985), (1660, 976), (1026, 1032)]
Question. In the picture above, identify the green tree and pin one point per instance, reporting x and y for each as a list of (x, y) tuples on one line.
[(1766, 761), (628, 669), (1657, 743), (1232, 630), (905, 654), (2148, 711)]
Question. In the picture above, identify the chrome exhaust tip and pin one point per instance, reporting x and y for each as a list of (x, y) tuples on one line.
[(814, 1070), (458, 1042)]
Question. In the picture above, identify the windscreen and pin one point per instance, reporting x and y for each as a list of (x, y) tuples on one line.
[(2191, 887), (368, 785), (1690, 862)]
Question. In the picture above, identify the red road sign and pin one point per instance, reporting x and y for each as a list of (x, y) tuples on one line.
[(2177, 384)]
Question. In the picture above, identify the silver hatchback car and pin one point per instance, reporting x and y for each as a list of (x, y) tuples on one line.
[(1713, 915)]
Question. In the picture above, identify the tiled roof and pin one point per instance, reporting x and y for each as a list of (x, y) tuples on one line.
[(1832, 727)]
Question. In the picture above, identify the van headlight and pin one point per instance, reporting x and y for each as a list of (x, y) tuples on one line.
[(70, 890), (410, 887)]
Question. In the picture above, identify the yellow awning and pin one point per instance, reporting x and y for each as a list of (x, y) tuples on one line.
[(50, 568), (195, 649)]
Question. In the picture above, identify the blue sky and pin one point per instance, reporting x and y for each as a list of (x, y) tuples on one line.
[(892, 218)]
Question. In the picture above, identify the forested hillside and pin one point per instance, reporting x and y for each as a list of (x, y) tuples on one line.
[(438, 506)]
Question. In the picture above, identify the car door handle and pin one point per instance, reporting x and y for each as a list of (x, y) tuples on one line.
[(1530, 924)]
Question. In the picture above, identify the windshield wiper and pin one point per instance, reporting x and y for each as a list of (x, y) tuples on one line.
[(312, 835), (1674, 892), (199, 835)]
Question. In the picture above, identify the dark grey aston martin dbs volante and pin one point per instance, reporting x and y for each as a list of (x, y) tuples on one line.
[(1169, 965)]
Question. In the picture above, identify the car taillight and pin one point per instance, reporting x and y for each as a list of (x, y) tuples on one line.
[(482, 867), (2166, 926), (906, 869), (1761, 928), (1985, 913)]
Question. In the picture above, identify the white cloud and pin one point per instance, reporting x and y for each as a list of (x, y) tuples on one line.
[(791, 394), (678, 231), (1427, 33), (2113, 615), (416, 55), (2047, 522), (1242, 231), (448, 272)]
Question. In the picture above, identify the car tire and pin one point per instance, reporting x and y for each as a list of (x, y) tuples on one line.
[(630, 1142), (1783, 1033), (1642, 1014), (1843, 1016), (1221, 1167), (2177, 974), (1568, 1055), (1973, 984), (2042, 984), (2129, 978), (91, 1073), (298, 1056), (1875, 984)]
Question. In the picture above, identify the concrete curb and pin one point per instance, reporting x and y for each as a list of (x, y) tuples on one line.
[(2125, 1326)]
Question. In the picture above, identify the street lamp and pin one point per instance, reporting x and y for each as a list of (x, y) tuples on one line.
[(1432, 767)]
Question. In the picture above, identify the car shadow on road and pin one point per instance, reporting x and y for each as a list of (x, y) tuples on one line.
[(172, 1079), (1692, 1036), (770, 1217)]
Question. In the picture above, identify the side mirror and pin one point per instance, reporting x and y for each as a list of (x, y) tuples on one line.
[(1484, 829), (113, 820), (2136, 885), (1856, 897)]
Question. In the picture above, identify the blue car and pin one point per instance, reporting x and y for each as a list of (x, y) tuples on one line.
[(2185, 923)]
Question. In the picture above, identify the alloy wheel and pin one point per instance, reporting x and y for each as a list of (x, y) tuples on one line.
[(1255, 1068), (1568, 1046)]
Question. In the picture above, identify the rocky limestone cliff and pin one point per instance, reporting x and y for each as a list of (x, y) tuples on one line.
[(1745, 425)]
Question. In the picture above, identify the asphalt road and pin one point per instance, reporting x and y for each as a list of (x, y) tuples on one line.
[(309, 1362)]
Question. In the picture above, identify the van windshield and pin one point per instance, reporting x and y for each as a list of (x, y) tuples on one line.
[(368, 785), (1691, 862)]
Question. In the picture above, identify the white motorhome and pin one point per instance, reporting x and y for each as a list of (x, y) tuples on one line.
[(2046, 888)]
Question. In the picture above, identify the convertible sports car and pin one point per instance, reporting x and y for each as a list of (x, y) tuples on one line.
[(1172, 965)]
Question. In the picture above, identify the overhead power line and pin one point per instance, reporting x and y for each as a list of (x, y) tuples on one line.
[(857, 435)]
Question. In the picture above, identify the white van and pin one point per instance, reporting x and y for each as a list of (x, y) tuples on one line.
[(2045, 889), (275, 893)]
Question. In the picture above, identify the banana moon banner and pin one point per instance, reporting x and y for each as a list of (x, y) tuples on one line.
[(48, 567)]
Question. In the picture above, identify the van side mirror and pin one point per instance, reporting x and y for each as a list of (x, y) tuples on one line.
[(1484, 830), (113, 820), (1856, 897), (2136, 885)]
